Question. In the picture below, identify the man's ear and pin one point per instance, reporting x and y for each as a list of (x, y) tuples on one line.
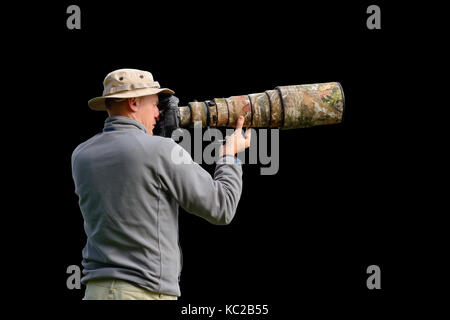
[(133, 104)]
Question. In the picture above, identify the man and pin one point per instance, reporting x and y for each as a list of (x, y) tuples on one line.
[(129, 191)]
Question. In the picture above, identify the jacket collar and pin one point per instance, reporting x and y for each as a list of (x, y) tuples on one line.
[(122, 123)]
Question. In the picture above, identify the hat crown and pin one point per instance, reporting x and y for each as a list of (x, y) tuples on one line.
[(127, 79), (127, 83)]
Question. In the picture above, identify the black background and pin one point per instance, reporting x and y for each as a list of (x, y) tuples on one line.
[(345, 196)]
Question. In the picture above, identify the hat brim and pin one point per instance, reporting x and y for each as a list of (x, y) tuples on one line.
[(98, 103)]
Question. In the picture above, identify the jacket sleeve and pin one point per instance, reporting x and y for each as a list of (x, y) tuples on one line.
[(212, 198)]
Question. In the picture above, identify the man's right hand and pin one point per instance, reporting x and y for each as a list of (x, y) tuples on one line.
[(236, 142)]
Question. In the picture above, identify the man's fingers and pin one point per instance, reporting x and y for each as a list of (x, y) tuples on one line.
[(239, 123)]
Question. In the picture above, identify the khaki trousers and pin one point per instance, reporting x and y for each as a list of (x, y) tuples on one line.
[(113, 289)]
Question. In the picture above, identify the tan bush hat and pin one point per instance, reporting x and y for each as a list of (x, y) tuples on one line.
[(127, 83)]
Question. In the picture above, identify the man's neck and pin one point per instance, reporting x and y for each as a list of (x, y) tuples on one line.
[(133, 116)]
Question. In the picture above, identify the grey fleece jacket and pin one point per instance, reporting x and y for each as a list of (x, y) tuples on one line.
[(129, 190)]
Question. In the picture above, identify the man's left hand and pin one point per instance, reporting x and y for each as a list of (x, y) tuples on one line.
[(169, 115)]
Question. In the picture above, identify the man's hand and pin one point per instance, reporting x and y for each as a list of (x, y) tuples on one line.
[(169, 115), (236, 142)]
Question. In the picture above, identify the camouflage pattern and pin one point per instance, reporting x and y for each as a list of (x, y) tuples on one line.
[(222, 112), (311, 105), (286, 107), (198, 113), (261, 109), (185, 116), (276, 109), (212, 113), (239, 106)]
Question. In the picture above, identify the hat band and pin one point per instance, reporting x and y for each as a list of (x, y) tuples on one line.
[(130, 86)]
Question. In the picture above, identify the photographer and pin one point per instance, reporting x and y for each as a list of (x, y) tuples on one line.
[(129, 191)]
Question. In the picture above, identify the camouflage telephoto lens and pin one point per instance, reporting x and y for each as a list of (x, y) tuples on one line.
[(285, 107)]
